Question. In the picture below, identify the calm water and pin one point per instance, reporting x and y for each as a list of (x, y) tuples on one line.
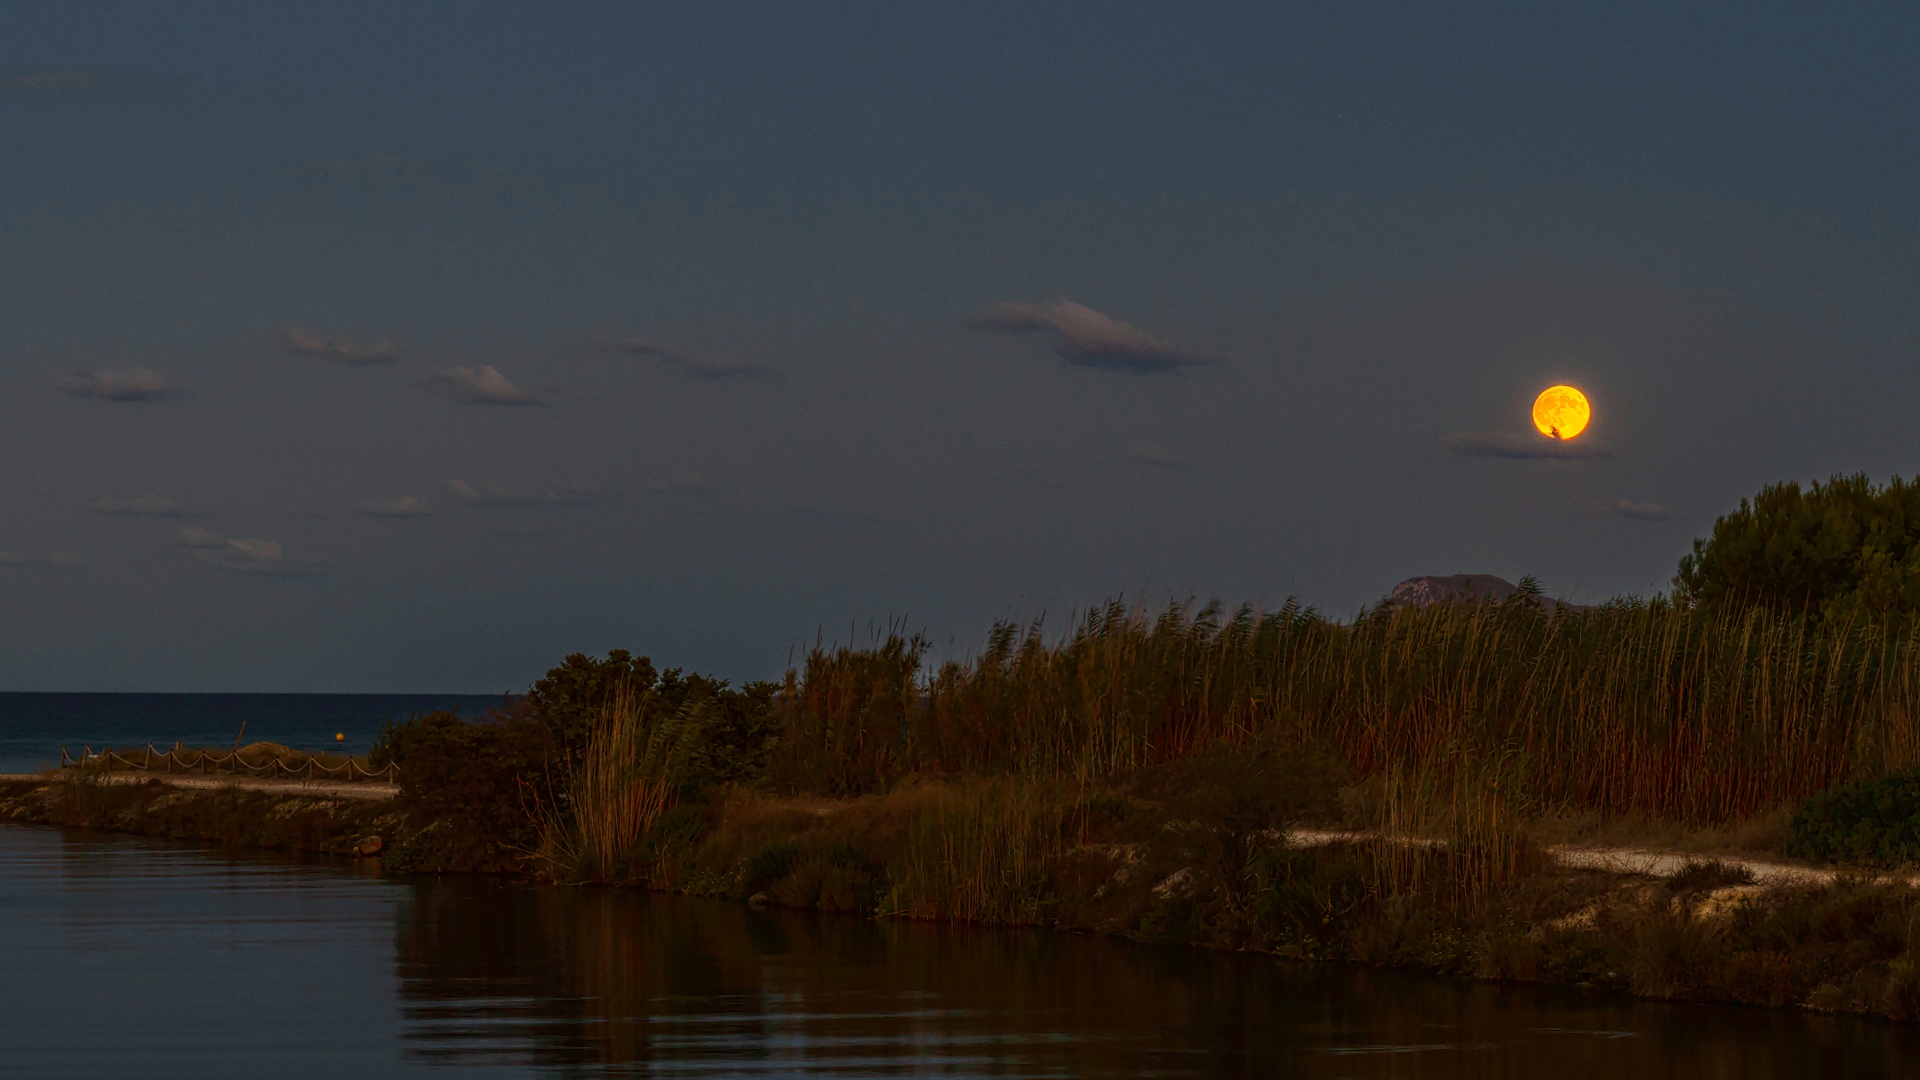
[(131, 958), (33, 727)]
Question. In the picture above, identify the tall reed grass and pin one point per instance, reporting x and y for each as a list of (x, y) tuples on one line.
[(1633, 708), (624, 781)]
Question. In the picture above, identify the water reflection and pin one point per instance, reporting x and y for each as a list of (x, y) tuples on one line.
[(598, 980), (130, 958)]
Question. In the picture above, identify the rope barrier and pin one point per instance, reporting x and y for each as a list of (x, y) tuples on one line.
[(231, 762)]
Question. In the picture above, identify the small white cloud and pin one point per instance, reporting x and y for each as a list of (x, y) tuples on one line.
[(48, 80), (143, 506), (1157, 456), (1644, 511), (483, 385), (493, 495), (136, 384), (400, 506), (336, 350), (243, 556), (1519, 447), (1087, 338), (693, 367)]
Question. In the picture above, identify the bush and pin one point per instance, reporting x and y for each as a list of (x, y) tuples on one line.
[(725, 734), (471, 788), (1872, 823)]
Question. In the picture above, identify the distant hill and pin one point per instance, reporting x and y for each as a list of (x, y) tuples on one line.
[(1452, 588)]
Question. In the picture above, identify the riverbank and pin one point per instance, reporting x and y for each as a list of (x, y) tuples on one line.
[(260, 815), (1655, 923)]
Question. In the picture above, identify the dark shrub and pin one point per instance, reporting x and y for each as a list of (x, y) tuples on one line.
[(1872, 823), (568, 701), (1708, 875), (727, 733), (474, 789)]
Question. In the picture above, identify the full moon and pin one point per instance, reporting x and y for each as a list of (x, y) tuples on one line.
[(1561, 412)]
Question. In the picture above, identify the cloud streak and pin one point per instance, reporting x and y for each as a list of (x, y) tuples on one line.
[(494, 496), (1641, 511), (243, 556), (1087, 338), (134, 384), (483, 385), (400, 506), (144, 506), (1500, 444), (56, 561), (692, 367), (336, 350)]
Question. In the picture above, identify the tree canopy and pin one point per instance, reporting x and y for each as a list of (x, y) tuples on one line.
[(1841, 550)]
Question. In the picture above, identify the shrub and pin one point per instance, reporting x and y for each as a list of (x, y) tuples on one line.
[(471, 788), (1872, 823), (725, 733)]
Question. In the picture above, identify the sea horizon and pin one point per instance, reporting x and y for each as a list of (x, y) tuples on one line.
[(35, 725)]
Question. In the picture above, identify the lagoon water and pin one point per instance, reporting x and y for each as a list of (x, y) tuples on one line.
[(127, 957), (35, 726)]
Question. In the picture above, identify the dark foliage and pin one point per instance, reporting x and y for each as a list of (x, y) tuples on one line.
[(570, 698), (1872, 823), (1707, 875), (1844, 549), (727, 733), (473, 789)]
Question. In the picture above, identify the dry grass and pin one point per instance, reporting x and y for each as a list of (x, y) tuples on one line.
[(624, 782)]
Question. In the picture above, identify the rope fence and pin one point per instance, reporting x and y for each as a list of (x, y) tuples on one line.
[(205, 762)]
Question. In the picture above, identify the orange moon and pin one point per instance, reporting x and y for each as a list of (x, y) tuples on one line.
[(1561, 412)]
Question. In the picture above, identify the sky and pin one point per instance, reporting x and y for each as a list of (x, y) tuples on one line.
[(371, 347)]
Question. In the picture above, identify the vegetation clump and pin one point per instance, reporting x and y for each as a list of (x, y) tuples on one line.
[(1843, 551), (1869, 823)]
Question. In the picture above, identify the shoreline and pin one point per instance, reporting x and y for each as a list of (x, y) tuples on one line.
[(1633, 895)]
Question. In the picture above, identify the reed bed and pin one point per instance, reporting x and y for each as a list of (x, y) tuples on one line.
[(1644, 708), (624, 781)]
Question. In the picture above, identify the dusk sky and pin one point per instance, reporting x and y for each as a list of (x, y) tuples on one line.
[(412, 347)]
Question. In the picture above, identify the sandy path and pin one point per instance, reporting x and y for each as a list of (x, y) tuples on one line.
[(361, 789), (1637, 861)]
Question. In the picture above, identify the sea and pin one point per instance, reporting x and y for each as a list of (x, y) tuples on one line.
[(35, 727)]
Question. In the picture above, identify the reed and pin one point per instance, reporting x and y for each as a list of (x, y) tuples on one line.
[(622, 784), (1642, 708)]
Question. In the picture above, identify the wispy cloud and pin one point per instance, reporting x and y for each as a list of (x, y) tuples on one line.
[(55, 561), (337, 350), (1157, 456), (1086, 338), (692, 367), (144, 506), (1643, 511), (483, 385), (48, 80), (1499, 444), (242, 556), (134, 384), (400, 506), (493, 495)]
